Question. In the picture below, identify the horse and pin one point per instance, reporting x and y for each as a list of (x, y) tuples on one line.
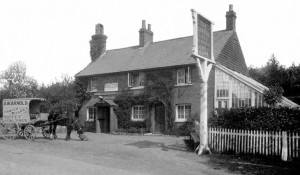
[(70, 122)]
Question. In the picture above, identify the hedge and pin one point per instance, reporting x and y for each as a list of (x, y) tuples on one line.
[(263, 118)]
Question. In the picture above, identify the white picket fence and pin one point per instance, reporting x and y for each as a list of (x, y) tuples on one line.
[(275, 143)]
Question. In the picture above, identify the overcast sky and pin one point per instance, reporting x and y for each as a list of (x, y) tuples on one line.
[(52, 36)]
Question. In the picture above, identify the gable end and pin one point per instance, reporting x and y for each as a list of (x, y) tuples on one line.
[(232, 56)]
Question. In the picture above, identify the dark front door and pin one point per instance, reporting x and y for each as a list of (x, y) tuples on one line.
[(159, 118), (104, 119)]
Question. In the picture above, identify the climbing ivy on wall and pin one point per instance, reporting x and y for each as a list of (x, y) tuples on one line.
[(125, 101), (158, 88)]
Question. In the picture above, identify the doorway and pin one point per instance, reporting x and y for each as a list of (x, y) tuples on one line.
[(159, 118), (104, 118)]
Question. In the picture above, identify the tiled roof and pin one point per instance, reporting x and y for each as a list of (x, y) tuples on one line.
[(231, 55), (160, 54)]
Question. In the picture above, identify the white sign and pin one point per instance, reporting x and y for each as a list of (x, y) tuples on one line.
[(109, 87), (16, 109)]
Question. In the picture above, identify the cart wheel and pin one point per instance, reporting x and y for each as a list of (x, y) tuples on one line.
[(9, 129), (46, 132), (30, 132)]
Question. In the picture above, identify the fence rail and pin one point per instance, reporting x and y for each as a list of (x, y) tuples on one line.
[(267, 143)]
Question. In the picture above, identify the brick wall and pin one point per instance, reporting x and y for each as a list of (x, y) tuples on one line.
[(182, 94)]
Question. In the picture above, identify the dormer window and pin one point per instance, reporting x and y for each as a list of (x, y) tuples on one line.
[(136, 79), (184, 76), (92, 84)]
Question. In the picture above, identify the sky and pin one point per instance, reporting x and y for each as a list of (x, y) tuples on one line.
[(52, 36)]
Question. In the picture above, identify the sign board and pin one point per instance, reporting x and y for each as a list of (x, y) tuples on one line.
[(109, 87), (203, 37), (16, 109)]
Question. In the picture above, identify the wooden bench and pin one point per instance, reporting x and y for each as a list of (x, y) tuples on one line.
[(196, 140)]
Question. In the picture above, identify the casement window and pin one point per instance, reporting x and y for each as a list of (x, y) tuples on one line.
[(184, 76), (136, 79), (183, 112), (138, 113), (92, 84), (91, 114)]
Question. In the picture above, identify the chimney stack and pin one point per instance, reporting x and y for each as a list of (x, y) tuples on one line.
[(146, 35), (98, 42), (230, 19)]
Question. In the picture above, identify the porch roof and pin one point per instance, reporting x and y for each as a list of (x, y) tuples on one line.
[(99, 101)]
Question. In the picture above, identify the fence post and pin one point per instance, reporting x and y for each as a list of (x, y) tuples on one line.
[(284, 151)]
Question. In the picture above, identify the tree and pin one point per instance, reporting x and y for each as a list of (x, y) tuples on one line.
[(14, 83), (60, 95), (273, 95)]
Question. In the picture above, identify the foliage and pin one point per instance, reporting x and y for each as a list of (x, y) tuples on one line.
[(125, 101), (273, 95), (81, 93), (60, 95), (159, 87), (274, 74), (14, 83), (263, 118), (184, 130)]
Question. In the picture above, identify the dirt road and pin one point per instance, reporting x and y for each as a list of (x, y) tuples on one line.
[(102, 154)]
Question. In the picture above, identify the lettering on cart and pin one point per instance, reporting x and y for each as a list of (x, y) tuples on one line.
[(9, 103), (16, 111), (17, 118)]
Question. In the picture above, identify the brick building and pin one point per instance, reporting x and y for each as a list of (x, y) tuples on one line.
[(112, 71)]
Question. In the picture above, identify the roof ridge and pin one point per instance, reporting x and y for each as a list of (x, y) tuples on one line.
[(137, 46)]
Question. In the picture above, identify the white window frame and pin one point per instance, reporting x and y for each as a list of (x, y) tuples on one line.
[(187, 79), (245, 93), (141, 75), (177, 119), (88, 118), (140, 113)]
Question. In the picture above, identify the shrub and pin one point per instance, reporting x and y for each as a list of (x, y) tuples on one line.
[(263, 118), (125, 101)]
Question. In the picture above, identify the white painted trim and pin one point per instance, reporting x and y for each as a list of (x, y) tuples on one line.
[(181, 85), (142, 119), (176, 112), (138, 87), (240, 79), (88, 115), (128, 82)]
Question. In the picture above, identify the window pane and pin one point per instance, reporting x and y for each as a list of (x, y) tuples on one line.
[(141, 79), (180, 76), (138, 112), (187, 111), (183, 111)]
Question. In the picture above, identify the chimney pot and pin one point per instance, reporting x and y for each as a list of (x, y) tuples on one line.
[(99, 29), (144, 24), (230, 7), (149, 27)]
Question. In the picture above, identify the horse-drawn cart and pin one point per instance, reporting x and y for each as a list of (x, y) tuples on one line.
[(21, 117)]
